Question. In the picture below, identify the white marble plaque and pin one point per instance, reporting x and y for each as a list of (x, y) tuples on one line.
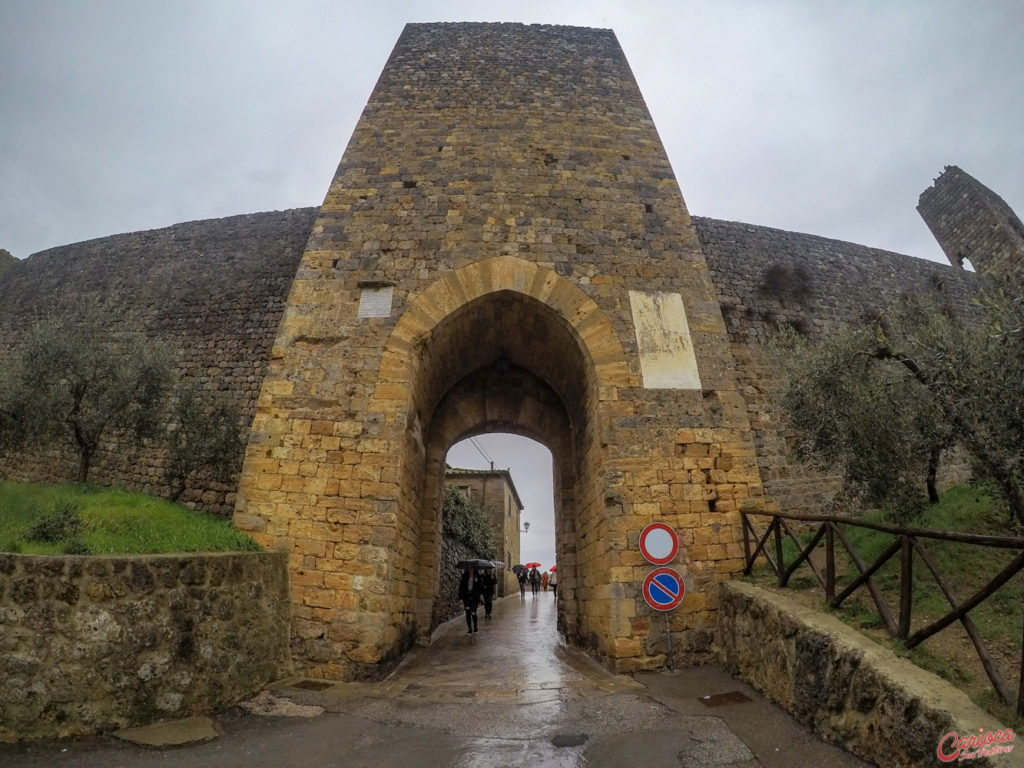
[(667, 360), (375, 301)]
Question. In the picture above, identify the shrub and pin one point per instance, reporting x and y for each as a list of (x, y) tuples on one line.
[(468, 523), (64, 523)]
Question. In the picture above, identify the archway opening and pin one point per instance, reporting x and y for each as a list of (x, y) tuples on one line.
[(502, 363), (511, 478)]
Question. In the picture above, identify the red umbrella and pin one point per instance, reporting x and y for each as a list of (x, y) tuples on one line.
[(533, 565), (553, 568)]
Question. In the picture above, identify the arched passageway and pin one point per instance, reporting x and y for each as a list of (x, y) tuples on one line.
[(504, 345), (503, 473), (494, 367)]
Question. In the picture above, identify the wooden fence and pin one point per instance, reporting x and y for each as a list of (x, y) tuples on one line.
[(906, 542)]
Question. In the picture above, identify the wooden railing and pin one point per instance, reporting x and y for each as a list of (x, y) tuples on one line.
[(906, 541)]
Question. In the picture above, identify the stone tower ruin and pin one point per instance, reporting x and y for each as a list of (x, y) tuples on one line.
[(973, 224), (504, 247)]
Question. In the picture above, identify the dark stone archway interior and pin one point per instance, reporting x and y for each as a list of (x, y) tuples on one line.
[(504, 363)]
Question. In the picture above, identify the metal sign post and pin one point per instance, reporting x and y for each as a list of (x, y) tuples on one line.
[(668, 634), (663, 588)]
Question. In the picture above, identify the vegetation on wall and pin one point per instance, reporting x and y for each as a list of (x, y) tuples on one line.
[(787, 281), (75, 380), (467, 522), (6, 259), (880, 401)]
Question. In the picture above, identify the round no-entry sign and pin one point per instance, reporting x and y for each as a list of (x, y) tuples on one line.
[(663, 589), (659, 543)]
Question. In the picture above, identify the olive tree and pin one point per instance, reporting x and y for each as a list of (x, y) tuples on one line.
[(849, 414), (880, 401), (74, 378), (204, 434)]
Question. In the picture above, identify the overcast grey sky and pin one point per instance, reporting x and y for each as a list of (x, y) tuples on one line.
[(810, 115), (816, 116), (529, 463)]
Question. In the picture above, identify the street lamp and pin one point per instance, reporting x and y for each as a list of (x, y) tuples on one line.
[(525, 528)]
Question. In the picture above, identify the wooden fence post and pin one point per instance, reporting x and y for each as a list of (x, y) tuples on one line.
[(906, 586)]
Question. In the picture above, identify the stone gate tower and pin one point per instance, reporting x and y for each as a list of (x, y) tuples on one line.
[(503, 248)]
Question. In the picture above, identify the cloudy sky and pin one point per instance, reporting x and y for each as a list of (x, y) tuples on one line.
[(817, 116)]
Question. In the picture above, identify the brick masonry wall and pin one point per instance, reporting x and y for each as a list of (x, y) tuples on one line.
[(212, 290), (767, 277), (91, 644)]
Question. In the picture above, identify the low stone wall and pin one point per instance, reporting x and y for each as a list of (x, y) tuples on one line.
[(849, 689), (90, 644)]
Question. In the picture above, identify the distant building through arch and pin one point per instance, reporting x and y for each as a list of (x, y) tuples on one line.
[(495, 492)]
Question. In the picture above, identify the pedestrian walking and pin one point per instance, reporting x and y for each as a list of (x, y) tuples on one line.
[(522, 583), (488, 583), (544, 581), (534, 580), (553, 583), (469, 593)]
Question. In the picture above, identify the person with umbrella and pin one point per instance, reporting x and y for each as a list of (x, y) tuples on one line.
[(470, 590), (521, 575), (488, 583), (534, 578), (553, 581)]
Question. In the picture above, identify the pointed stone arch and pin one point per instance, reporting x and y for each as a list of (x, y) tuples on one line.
[(436, 373), (456, 289)]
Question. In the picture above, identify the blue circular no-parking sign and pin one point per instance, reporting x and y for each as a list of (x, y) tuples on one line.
[(663, 589)]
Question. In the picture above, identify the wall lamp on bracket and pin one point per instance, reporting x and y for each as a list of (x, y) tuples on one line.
[(525, 528)]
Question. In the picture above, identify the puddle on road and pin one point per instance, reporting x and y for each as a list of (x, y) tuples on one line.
[(493, 753)]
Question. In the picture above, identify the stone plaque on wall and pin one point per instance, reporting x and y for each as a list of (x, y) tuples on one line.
[(663, 341), (375, 301)]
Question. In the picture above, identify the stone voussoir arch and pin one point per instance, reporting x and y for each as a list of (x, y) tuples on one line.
[(401, 392), (446, 295)]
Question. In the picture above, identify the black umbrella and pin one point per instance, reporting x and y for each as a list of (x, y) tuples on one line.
[(518, 568), (475, 564)]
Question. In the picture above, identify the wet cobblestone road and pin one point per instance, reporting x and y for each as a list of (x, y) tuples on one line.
[(510, 695)]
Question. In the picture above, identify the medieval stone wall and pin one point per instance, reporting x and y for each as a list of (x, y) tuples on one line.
[(769, 277), (212, 290), (92, 644), (215, 291), (847, 688)]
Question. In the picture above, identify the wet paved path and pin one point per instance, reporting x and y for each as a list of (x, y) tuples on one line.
[(510, 695)]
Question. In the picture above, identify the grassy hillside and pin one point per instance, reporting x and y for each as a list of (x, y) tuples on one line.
[(76, 519)]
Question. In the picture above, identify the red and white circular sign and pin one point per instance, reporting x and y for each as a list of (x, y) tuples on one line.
[(659, 543)]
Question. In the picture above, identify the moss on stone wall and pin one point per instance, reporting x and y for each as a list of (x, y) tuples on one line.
[(90, 644)]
